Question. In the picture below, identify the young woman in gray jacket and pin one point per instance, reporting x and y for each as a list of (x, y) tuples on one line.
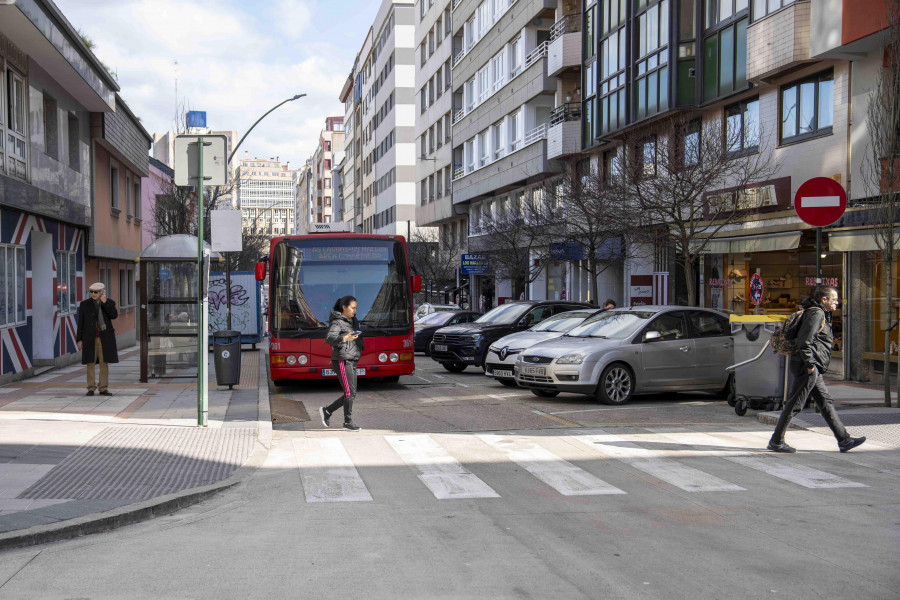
[(344, 338)]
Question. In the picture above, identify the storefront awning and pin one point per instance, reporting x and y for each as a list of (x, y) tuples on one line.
[(754, 243), (857, 241)]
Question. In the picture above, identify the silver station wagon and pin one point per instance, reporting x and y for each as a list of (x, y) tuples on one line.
[(628, 351)]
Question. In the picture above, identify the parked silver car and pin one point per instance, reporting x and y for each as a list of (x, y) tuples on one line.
[(501, 357), (628, 351)]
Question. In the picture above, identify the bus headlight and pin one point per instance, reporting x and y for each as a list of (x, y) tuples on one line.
[(382, 357), (292, 360), (394, 357), (302, 359)]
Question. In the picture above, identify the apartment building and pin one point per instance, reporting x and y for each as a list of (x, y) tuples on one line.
[(387, 122), (504, 93), (351, 96), (303, 197), (52, 85), (434, 113), (320, 208), (265, 196)]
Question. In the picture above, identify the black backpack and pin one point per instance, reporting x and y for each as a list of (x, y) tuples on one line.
[(784, 338)]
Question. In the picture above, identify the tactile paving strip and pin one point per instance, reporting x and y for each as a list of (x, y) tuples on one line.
[(138, 463)]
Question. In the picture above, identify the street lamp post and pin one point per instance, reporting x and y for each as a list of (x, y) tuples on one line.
[(228, 162)]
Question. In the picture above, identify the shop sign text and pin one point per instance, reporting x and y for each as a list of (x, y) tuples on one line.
[(720, 283), (748, 199), (832, 281)]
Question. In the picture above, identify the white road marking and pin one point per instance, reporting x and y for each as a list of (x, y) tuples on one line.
[(462, 385), (819, 201), (438, 470), (561, 475), (799, 474), (423, 379), (327, 472), (673, 472)]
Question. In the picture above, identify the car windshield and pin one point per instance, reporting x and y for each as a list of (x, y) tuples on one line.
[(562, 323), (613, 325), (504, 314), (438, 318)]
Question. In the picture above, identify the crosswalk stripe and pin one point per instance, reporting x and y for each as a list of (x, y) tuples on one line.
[(327, 472), (561, 475), (673, 472), (445, 476), (706, 444), (795, 473)]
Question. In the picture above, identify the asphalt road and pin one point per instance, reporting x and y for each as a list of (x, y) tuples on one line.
[(458, 487)]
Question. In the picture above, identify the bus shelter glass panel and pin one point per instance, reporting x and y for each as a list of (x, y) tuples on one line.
[(172, 318)]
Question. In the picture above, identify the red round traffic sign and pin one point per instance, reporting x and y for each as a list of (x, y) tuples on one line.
[(820, 201), (756, 289)]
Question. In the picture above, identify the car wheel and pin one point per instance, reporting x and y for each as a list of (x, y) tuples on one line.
[(728, 391), (454, 367), (544, 393), (428, 350), (508, 382), (279, 382), (616, 384)]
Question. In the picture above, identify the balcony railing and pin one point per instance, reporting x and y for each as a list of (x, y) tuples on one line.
[(570, 111), (538, 133), (568, 24), (458, 172), (537, 54)]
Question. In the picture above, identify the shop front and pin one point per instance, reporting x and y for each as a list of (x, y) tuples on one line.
[(786, 263)]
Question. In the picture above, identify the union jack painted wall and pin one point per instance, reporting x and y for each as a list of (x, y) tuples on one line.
[(16, 351)]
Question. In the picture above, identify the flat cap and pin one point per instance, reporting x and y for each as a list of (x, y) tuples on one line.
[(97, 287)]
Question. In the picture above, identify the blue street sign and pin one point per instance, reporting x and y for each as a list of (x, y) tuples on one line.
[(164, 273), (566, 251), (474, 264), (196, 118)]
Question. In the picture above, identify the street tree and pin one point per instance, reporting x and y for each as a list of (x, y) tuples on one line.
[(432, 258), (882, 171), (510, 230), (687, 179)]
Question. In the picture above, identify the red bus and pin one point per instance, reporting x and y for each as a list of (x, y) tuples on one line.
[(308, 273)]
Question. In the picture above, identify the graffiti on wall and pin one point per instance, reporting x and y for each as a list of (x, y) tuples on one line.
[(244, 303)]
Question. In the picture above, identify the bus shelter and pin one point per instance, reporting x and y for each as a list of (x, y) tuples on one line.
[(170, 314)]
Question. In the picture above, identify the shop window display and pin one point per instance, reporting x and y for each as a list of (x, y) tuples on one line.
[(877, 312), (788, 278)]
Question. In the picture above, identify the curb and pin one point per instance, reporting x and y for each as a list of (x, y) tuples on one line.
[(155, 507)]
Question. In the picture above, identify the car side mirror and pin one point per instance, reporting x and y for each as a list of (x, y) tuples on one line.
[(415, 282), (260, 271), (652, 336)]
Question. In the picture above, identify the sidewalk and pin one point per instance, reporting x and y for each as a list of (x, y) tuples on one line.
[(72, 464), (861, 408)]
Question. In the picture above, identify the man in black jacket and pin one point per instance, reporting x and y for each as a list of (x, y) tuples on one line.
[(95, 317), (814, 340)]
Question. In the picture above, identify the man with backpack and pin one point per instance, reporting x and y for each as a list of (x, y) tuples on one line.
[(813, 343)]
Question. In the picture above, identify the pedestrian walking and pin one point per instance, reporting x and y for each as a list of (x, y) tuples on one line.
[(814, 340), (95, 317), (344, 336), (609, 304)]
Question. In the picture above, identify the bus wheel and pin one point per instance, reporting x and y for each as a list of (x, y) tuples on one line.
[(391, 379), (279, 382), (454, 367)]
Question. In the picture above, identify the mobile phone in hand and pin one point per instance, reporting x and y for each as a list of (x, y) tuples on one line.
[(358, 332)]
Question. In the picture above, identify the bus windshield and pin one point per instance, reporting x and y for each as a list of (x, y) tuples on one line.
[(309, 275)]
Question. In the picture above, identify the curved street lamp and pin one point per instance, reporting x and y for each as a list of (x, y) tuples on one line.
[(243, 137)]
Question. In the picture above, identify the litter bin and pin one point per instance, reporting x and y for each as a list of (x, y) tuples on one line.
[(761, 376), (227, 349)]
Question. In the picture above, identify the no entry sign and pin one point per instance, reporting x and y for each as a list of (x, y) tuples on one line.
[(820, 201)]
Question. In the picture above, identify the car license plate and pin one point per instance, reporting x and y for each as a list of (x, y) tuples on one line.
[(440, 348), (331, 373), (502, 373), (535, 370)]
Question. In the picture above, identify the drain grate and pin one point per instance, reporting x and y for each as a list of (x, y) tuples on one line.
[(285, 410)]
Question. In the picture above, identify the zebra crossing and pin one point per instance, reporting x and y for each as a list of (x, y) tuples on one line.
[(572, 463)]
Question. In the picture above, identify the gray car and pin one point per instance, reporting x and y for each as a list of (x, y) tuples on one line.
[(628, 351)]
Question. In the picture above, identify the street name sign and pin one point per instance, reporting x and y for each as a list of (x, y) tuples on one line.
[(820, 201)]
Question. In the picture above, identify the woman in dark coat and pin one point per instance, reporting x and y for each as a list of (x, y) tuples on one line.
[(95, 317)]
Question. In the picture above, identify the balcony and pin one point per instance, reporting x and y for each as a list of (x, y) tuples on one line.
[(778, 43), (564, 134), (565, 45)]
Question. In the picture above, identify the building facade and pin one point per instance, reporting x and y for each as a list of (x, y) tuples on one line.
[(158, 182), (265, 196), (52, 84), (316, 203)]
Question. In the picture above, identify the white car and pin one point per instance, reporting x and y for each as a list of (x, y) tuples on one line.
[(501, 356), (427, 309)]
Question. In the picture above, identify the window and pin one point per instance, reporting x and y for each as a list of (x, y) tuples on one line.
[(327, 164), (65, 282), (652, 71), (670, 326), (123, 286), (605, 72), (74, 143), (12, 285), (611, 166), (327, 146), (470, 156), (718, 11), (51, 127), (484, 83), (516, 56), (688, 151), (742, 126), (646, 157), (706, 324), (497, 137), (128, 191), (114, 186), (761, 8), (498, 67), (327, 183), (515, 131), (725, 61), (327, 200), (483, 156), (807, 108), (136, 198), (16, 132)]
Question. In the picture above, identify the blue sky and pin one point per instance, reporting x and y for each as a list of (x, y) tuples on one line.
[(236, 59)]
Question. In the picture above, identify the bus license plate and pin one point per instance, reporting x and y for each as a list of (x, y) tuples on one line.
[(331, 373), (500, 373), (440, 348), (535, 370)]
